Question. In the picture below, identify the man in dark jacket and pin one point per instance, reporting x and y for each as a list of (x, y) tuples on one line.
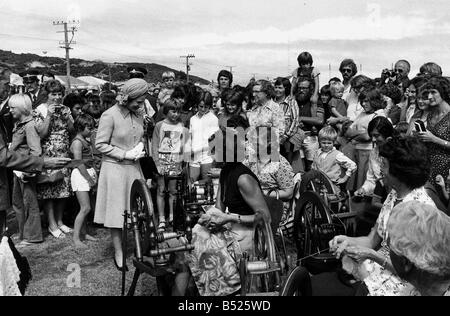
[(33, 89)]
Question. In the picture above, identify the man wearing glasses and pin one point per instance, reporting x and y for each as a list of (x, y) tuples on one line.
[(349, 70), (37, 95)]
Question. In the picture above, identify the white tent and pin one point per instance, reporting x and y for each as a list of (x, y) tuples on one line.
[(94, 83)]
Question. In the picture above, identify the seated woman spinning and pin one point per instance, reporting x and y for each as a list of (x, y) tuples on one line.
[(419, 236), (406, 168), (225, 232)]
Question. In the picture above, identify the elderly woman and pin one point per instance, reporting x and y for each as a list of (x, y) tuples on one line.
[(437, 136), (405, 168), (119, 139), (54, 124), (265, 112), (25, 141), (419, 239)]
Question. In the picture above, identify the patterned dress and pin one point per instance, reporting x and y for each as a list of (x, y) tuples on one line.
[(439, 156), (56, 145), (381, 282)]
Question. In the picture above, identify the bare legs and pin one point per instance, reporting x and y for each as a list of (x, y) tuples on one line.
[(80, 221)]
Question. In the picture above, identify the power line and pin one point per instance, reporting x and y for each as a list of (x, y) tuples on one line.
[(67, 44), (188, 67)]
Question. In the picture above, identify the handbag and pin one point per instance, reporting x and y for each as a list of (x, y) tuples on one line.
[(45, 178)]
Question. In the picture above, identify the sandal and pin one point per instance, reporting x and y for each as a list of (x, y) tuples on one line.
[(65, 229), (162, 227), (58, 234)]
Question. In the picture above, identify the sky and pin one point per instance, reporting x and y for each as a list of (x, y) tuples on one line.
[(256, 38)]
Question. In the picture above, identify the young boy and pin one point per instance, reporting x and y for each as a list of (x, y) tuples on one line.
[(331, 161), (202, 126), (306, 70), (168, 147), (168, 78), (338, 106), (84, 177)]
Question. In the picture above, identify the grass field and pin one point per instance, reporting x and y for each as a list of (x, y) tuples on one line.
[(51, 260)]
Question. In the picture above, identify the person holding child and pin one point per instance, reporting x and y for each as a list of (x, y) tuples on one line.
[(84, 176), (168, 145), (331, 161), (119, 139), (306, 70)]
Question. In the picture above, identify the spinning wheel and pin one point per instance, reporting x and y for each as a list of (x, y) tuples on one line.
[(316, 181), (263, 271), (313, 229), (151, 250)]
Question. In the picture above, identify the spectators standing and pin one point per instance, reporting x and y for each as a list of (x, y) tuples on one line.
[(37, 94), (306, 70), (167, 89), (54, 124), (83, 177), (225, 81), (349, 70), (311, 117), (292, 139), (202, 126), (373, 104), (437, 136), (232, 105), (26, 141), (168, 146)]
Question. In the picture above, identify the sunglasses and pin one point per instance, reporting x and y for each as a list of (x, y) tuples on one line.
[(347, 70), (400, 71)]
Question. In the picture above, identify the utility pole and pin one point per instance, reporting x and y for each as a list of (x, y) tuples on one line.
[(188, 68), (231, 68), (67, 44)]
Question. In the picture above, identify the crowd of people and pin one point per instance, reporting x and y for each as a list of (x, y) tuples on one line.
[(386, 138)]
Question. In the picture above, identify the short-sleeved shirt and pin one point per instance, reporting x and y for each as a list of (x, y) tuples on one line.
[(274, 175), (340, 105)]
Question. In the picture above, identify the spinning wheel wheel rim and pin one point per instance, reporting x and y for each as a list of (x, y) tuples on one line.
[(306, 223), (142, 207)]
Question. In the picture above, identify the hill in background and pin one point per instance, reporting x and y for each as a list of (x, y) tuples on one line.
[(80, 67)]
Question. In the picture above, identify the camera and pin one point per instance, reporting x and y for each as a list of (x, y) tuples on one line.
[(389, 73)]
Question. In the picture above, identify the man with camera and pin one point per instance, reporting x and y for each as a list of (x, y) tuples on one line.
[(398, 75)]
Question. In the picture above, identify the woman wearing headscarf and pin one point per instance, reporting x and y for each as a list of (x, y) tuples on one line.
[(119, 139)]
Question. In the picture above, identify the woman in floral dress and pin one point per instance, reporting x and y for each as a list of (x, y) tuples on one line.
[(437, 136), (405, 168), (54, 123)]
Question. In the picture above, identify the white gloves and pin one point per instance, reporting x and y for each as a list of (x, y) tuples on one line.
[(136, 153)]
